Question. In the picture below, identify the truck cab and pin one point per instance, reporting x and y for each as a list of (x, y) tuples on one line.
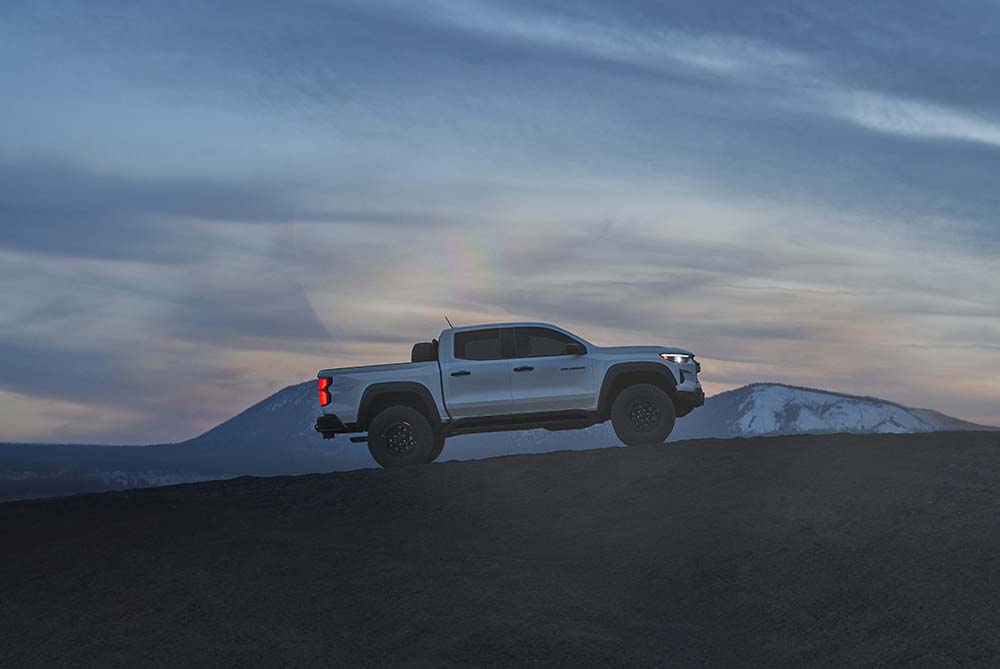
[(507, 376)]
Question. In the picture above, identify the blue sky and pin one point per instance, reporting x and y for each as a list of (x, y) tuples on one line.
[(203, 202)]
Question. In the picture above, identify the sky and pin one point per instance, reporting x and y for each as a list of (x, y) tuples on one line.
[(202, 203)]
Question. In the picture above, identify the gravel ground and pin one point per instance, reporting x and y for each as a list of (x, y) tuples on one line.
[(787, 551)]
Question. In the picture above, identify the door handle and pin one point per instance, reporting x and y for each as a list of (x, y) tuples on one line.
[(524, 368), (463, 372)]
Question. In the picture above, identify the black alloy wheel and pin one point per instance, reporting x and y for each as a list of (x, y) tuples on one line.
[(399, 436), (643, 414)]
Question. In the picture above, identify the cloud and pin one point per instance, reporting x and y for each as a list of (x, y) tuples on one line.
[(241, 313), (44, 371), (652, 47), (54, 207), (913, 119), (58, 208)]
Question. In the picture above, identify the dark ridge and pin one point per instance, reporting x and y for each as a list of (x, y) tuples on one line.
[(840, 550)]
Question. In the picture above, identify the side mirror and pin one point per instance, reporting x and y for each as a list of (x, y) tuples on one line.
[(573, 348)]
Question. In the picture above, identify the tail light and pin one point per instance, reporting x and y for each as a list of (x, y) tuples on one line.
[(324, 391)]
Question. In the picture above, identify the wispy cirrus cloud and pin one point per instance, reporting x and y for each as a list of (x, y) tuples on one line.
[(653, 46), (911, 118)]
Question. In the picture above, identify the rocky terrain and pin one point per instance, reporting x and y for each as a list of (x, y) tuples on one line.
[(842, 550)]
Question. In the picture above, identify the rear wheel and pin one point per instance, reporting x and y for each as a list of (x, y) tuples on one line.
[(438, 447), (642, 414), (400, 436)]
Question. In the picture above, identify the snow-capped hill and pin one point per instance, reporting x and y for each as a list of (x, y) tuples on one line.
[(772, 408)]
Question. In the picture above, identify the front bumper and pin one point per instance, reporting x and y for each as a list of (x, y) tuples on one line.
[(691, 398)]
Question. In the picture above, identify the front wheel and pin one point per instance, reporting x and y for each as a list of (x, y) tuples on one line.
[(400, 436), (643, 414)]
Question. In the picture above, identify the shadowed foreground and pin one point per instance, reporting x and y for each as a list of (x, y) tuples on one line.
[(828, 550)]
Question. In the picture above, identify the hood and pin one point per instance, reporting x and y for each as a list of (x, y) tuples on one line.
[(641, 350)]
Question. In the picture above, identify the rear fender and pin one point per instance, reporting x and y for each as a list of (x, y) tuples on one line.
[(418, 391)]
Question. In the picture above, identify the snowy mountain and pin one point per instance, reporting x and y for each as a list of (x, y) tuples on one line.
[(772, 408)]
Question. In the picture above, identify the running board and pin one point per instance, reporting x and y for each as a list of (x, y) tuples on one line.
[(555, 420), (359, 440)]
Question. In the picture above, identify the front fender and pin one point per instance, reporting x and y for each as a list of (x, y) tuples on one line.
[(659, 372)]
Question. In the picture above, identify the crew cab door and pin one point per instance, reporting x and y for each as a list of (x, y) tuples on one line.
[(544, 377), (475, 376)]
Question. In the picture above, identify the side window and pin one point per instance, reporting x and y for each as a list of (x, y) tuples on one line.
[(478, 345), (540, 342)]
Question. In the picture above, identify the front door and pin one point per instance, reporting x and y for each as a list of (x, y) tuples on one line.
[(544, 378)]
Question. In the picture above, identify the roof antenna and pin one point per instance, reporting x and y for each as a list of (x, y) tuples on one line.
[(449, 323)]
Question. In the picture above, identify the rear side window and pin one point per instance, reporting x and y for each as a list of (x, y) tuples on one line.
[(478, 345), (539, 342)]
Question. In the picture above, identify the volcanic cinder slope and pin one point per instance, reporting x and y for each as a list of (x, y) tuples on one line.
[(842, 550)]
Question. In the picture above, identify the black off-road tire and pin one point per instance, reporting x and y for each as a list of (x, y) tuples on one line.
[(438, 447), (399, 436), (643, 414)]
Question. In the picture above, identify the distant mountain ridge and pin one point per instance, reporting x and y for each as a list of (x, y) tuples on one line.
[(758, 409), (276, 436)]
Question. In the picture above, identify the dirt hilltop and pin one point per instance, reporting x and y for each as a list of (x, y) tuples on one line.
[(830, 550)]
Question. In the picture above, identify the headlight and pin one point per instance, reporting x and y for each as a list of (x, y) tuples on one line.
[(679, 358)]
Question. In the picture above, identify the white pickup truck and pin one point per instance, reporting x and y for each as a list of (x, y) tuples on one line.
[(507, 376)]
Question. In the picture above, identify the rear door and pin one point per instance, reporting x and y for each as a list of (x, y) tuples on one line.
[(544, 377), (476, 377)]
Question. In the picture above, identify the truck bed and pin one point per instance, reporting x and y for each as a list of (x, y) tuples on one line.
[(349, 383)]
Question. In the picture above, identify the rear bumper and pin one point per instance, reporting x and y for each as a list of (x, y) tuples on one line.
[(329, 425)]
